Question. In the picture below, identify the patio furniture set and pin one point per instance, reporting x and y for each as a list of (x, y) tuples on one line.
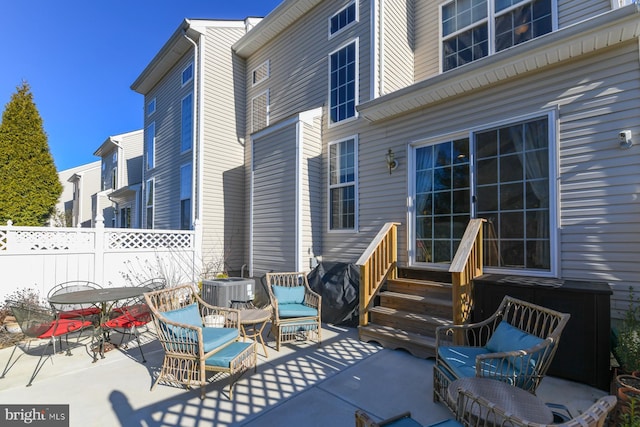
[(486, 373)]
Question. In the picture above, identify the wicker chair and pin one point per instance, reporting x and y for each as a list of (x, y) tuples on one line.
[(296, 308), (401, 420), (515, 345), (189, 347), (469, 404)]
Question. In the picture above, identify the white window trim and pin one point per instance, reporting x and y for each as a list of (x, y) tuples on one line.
[(151, 104), (268, 93), (182, 149), (153, 151), (357, 84), (491, 27), (190, 192), (267, 64), (349, 25), (355, 228), (184, 83), (554, 193)]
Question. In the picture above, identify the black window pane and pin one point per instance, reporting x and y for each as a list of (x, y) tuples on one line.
[(511, 225), (487, 144), (512, 253), (461, 201), (487, 171), (442, 227), (512, 196), (511, 168), (487, 198), (442, 203)]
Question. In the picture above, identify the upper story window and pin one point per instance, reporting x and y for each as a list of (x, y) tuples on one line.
[(149, 146), (342, 184), (151, 107), (185, 196), (186, 136), (347, 16), (261, 73), (468, 24), (187, 74), (114, 178), (149, 198), (343, 77)]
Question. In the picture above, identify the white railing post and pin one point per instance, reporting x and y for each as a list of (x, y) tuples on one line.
[(99, 250)]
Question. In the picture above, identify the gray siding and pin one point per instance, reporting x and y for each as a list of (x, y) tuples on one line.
[(131, 165), (572, 11), (599, 225), (223, 189), (274, 202)]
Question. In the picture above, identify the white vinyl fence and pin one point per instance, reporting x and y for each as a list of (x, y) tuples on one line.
[(38, 258)]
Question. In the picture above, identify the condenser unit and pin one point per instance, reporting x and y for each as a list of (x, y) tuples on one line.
[(221, 292)]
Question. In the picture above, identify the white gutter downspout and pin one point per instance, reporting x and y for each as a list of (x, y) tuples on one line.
[(196, 172)]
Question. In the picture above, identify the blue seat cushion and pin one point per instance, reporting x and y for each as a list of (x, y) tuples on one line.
[(509, 338), (189, 315), (404, 422), (462, 360), (288, 294), (296, 310), (224, 357), (215, 337)]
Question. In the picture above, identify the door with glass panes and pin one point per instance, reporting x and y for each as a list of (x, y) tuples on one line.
[(501, 174)]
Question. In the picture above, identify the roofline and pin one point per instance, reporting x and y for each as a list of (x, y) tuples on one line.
[(602, 31), (279, 19), (114, 140), (175, 48)]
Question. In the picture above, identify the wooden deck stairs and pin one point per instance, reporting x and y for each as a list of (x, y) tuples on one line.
[(408, 310)]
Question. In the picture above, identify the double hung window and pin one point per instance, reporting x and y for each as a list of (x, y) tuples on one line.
[(149, 197), (187, 74), (186, 135), (473, 29), (185, 196), (343, 78), (344, 18), (342, 184), (149, 146)]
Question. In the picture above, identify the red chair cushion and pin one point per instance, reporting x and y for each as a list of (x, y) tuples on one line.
[(80, 312), (62, 327)]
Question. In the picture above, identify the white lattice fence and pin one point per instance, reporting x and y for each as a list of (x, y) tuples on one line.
[(41, 257)]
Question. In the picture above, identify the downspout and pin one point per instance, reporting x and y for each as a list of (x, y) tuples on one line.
[(196, 172)]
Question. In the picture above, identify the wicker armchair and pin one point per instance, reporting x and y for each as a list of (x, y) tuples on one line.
[(296, 308), (469, 405), (515, 345), (178, 314)]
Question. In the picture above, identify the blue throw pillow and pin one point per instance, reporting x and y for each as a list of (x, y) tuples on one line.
[(288, 294), (510, 338), (188, 315)]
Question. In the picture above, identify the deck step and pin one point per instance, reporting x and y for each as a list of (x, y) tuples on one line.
[(418, 323), (388, 337), (420, 287), (431, 305)]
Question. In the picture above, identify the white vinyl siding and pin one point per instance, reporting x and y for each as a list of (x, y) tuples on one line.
[(397, 41), (260, 73)]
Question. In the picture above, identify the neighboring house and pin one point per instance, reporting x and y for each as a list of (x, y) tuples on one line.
[(120, 197), (520, 112), (78, 185)]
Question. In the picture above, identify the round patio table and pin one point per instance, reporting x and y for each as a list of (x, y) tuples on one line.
[(510, 399), (101, 296), (256, 319)]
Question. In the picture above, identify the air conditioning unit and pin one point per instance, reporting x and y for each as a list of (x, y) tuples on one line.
[(221, 292)]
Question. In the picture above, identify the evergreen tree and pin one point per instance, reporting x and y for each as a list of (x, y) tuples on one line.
[(29, 182)]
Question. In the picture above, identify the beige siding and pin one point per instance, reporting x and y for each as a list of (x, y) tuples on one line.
[(131, 166), (397, 44), (299, 76), (573, 11), (598, 199), (223, 172), (167, 117)]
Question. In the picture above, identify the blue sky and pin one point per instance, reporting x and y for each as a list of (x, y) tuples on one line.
[(80, 58)]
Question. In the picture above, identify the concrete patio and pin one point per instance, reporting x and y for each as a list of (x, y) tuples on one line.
[(302, 385)]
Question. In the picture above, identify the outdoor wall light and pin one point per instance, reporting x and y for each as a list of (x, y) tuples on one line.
[(624, 138), (390, 158)]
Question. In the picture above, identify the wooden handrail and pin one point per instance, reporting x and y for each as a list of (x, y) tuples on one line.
[(377, 264), (466, 266)]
